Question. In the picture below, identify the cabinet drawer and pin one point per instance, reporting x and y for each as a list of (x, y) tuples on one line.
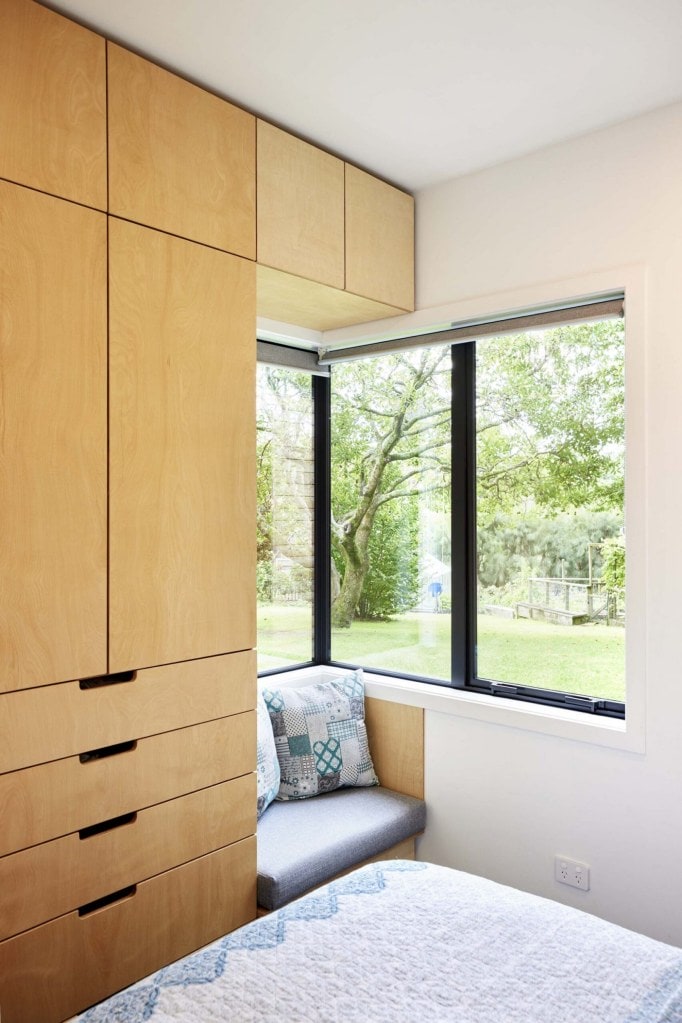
[(44, 802), (53, 971), (51, 879), (39, 725)]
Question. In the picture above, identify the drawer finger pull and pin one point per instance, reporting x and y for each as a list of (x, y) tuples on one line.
[(108, 751), (114, 822), (99, 681), (108, 900)]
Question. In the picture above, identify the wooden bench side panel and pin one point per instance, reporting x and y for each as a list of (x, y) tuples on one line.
[(396, 742)]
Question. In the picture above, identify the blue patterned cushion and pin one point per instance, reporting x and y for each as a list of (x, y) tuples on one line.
[(320, 737), (267, 771)]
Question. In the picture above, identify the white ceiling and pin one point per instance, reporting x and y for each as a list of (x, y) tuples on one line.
[(416, 91)]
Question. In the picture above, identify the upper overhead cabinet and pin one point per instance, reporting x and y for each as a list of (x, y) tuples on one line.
[(335, 245), (379, 240), (300, 208), (52, 104), (180, 159)]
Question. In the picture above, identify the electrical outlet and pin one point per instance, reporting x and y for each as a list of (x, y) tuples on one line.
[(570, 872)]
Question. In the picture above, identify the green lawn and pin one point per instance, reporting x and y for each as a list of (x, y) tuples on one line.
[(585, 659)]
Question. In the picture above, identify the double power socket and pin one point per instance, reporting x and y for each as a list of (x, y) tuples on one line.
[(570, 872)]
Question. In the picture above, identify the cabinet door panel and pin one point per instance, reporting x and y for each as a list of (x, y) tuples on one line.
[(300, 207), (379, 240), (52, 104), (180, 158), (182, 450), (53, 473)]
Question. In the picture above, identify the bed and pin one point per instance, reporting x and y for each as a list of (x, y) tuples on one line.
[(401, 940)]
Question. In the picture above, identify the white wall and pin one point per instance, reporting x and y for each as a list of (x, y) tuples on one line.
[(503, 800)]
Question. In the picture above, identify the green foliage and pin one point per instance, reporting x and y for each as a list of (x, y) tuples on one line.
[(263, 494), (392, 583), (550, 420), (283, 525), (264, 580), (511, 547), (613, 570)]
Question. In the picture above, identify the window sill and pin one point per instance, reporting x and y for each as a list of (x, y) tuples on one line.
[(564, 724), (495, 710)]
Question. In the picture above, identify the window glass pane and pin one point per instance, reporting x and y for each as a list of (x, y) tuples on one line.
[(549, 509), (390, 483), (285, 493)]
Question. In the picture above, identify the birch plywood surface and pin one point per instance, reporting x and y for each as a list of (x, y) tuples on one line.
[(300, 207), (379, 240), (54, 878), (39, 725), (52, 104), (53, 449), (396, 742), (53, 971), (44, 802), (180, 158), (290, 299), (182, 449)]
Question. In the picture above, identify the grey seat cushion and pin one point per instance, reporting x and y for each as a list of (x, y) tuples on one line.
[(303, 843)]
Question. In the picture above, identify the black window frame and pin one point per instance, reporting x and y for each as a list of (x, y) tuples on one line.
[(463, 553)]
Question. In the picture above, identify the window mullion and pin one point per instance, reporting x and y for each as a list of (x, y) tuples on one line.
[(322, 521), (462, 522)]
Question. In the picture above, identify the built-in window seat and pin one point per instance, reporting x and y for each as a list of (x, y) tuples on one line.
[(306, 842)]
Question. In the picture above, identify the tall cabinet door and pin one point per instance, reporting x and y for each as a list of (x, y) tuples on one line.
[(182, 449), (53, 466)]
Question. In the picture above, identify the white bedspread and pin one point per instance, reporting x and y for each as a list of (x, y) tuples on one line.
[(400, 941)]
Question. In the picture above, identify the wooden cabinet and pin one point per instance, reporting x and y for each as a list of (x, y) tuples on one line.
[(180, 159), (127, 490), (300, 207), (52, 104), (127, 516), (335, 244), (136, 844), (53, 474), (182, 449), (379, 240)]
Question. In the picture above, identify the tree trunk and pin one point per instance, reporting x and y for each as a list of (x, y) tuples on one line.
[(354, 545)]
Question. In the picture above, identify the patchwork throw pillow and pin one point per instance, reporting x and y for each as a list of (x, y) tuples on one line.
[(267, 770), (320, 737)]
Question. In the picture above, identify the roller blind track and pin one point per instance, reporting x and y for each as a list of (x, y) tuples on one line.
[(601, 309)]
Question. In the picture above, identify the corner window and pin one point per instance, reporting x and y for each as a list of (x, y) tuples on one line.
[(470, 519)]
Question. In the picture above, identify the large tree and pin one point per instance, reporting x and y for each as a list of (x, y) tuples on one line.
[(390, 441), (543, 438)]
